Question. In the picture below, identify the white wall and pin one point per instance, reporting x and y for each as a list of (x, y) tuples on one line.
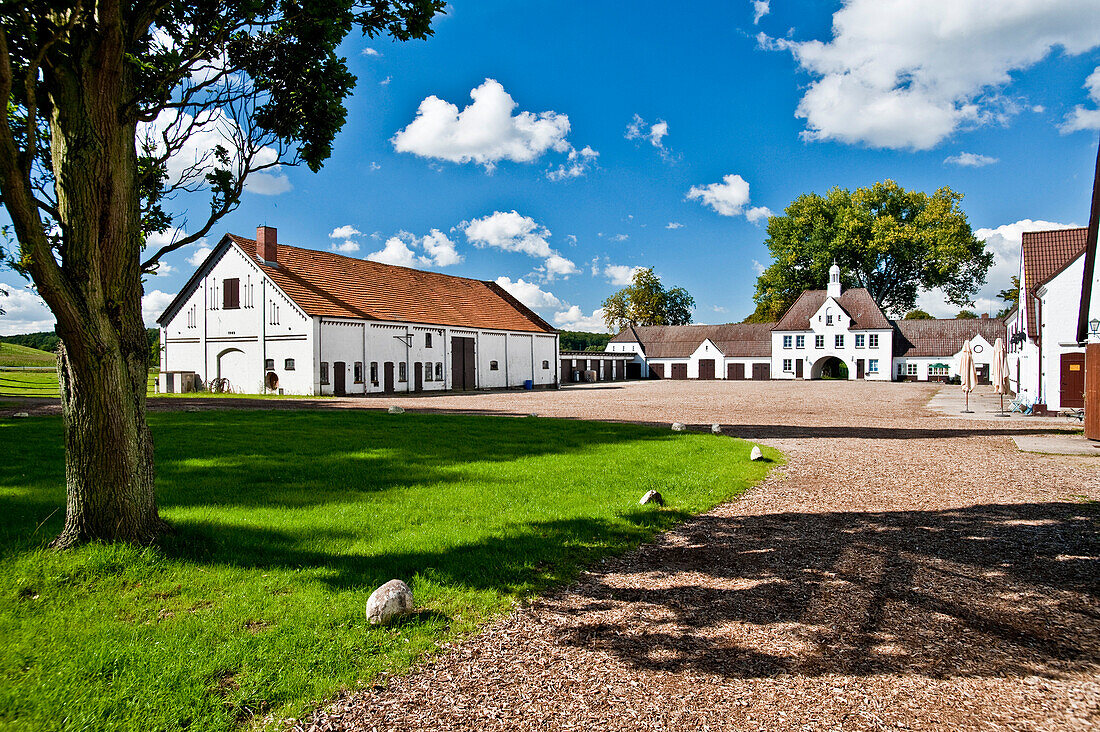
[(1061, 300), (849, 353)]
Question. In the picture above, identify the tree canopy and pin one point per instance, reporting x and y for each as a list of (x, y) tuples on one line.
[(892, 241), (1011, 297), (967, 315), (116, 115), (918, 314), (645, 301)]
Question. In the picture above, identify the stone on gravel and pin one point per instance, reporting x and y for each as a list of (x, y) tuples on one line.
[(716, 429), (21, 415), (396, 410), (677, 427), (756, 454), (652, 497), (389, 601)]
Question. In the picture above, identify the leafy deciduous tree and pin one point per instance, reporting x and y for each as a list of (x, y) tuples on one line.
[(889, 240), (645, 301), (114, 108), (918, 314), (967, 315)]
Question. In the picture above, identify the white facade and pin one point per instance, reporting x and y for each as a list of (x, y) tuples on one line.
[(831, 336), (933, 368), (269, 344)]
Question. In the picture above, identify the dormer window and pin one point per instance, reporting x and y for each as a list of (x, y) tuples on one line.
[(828, 319)]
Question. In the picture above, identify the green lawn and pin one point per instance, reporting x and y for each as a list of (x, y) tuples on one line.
[(44, 383), (285, 521), (12, 354)]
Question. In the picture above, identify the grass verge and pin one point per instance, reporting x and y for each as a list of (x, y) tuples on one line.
[(285, 521)]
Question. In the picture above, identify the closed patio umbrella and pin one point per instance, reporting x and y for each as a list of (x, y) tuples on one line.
[(1000, 372), (967, 374)]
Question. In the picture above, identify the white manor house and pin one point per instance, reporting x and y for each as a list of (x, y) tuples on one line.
[(832, 332)]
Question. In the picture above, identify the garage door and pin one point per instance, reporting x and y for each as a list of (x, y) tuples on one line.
[(761, 371), (735, 371), (679, 370), (706, 368), (657, 370)]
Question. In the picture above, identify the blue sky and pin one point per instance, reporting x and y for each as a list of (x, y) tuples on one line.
[(663, 137)]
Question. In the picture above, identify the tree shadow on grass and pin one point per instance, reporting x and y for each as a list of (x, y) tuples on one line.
[(989, 590)]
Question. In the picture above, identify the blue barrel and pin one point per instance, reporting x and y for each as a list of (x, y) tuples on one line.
[(529, 385)]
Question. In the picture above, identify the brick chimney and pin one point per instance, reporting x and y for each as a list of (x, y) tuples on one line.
[(985, 316), (266, 236)]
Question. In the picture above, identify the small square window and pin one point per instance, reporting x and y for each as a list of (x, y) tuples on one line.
[(788, 364), (860, 339), (787, 340), (269, 364), (494, 366), (288, 364), (800, 341), (872, 366), (839, 341), (910, 369), (358, 375), (402, 371), (324, 372), (872, 340)]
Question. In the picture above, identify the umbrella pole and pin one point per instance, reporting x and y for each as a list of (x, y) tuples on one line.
[(967, 410)]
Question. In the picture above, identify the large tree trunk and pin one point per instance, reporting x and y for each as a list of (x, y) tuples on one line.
[(102, 366)]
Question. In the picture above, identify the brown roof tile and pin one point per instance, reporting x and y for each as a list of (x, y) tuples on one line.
[(328, 284), (943, 337), (857, 302), (1046, 253), (734, 340)]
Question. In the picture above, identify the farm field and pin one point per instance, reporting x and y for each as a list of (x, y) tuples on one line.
[(12, 354), (284, 522)]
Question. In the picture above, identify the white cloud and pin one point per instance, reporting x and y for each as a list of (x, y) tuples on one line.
[(395, 251), (1082, 118), (620, 237), (728, 198), (529, 293), (639, 129), (347, 246), (575, 319), (158, 239), (346, 234), (153, 305), (371, 52), (719, 309), (1005, 243), (674, 225), (558, 266), (969, 160), (760, 8), (24, 311), (577, 163), (195, 157), (386, 81), (163, 269), (199, 255), (438, 250), (509, 231), (486, 132), (620, 274), (758, 268), (903, 74)]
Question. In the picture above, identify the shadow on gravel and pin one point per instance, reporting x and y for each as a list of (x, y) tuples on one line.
[(804, 432), (989, 590)]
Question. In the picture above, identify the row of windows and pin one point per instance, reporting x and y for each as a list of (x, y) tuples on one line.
[(288, 364), (495, 366), (911, 369), (838, 341), (432, 372), (872, 365)]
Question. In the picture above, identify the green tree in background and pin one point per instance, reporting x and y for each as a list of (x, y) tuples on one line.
[(645, 301), (889, 240), (1011, 296), (577, 340), (918, 314), (104, 102), (967, 315)]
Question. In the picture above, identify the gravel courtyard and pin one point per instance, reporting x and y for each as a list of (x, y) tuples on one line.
[(905, 571)]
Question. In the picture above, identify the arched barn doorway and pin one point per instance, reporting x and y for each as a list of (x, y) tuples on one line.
[(231, 369), (829, 367)]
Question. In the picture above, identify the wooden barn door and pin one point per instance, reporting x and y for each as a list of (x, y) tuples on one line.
[(463, 368), (657, 370), (735, 371), (706, 368), (761, 371), (798, 368), (1073, 380), (387, 384), (418, 376), (339, 371), (859, 368), (679, 370)]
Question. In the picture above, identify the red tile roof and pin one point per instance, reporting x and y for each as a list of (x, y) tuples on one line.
[(1046, 253), (857, 302), (734, 340), (944, 337), (328, 284)]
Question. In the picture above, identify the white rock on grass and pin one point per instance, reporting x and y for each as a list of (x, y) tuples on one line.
[(756, 454), (677, 427), (396, 410), (652, 497), (389, 601), (716, 429), (20, 415)]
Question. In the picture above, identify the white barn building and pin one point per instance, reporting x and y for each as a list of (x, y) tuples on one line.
[(271, 318), (1046, 362)]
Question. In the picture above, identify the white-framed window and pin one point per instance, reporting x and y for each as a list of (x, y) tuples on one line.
[(828, 319), (819, 341), (324, 372), (787, 341), (494, 366), (427, 371), (800, 341), (910, 369), (937, 370), (872, 340), (861, 339), (402, 371), (838, 340), (374, 373), (872, 366), (357, 374), (788, 364)]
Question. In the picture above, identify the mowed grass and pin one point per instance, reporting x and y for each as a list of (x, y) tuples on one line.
[(253, 609), (44, 383), (13, 354)]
